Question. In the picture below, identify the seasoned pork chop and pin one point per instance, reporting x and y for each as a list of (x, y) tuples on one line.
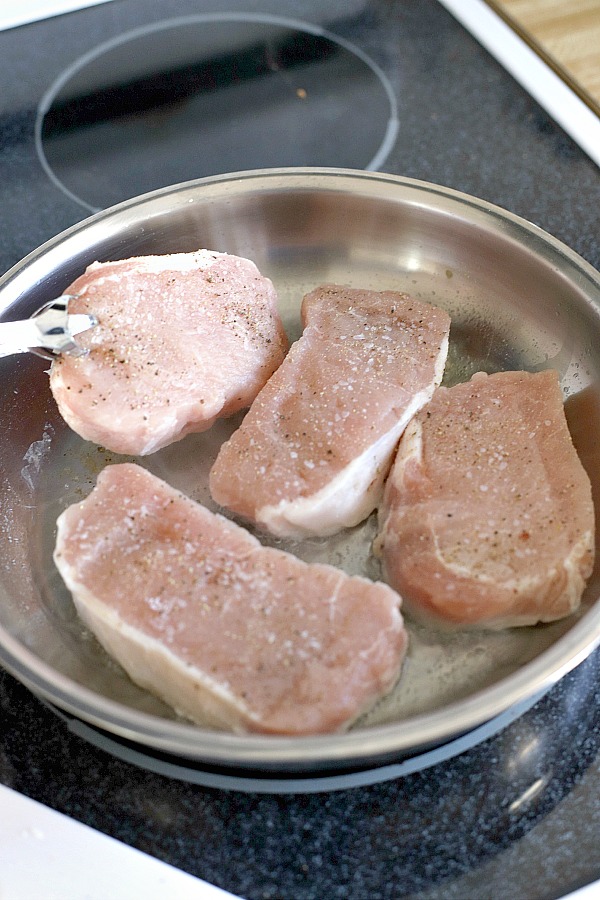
[(227, 632), (312, 453), (487, 516), (182, 340)]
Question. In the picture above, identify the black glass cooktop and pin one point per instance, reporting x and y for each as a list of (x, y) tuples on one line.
[(205, 94), (124, 97)]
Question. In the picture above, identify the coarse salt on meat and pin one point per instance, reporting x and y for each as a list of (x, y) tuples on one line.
[(182, 339), (313, 451), (487, 518), (228, 632)]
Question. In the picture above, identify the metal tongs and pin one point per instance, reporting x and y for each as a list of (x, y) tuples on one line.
[(48, 333)]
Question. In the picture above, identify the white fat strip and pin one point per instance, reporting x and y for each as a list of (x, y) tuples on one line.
[(349, 497), (571, 565), (146, 659), (176, 262), (355, 492)]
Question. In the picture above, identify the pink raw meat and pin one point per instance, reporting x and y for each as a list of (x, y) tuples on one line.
[(182, 340), (487, 516), (312, 453), (228, 632)]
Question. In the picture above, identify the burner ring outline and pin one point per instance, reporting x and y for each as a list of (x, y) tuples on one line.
[(45, 104)]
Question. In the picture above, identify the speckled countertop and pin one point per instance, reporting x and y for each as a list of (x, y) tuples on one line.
[(516, 816)]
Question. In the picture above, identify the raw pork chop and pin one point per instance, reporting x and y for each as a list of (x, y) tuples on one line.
[(224, 630), (487, 516), (182, 339), (313, 451)]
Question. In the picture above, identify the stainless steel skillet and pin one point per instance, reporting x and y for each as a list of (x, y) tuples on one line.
[(518, 299)]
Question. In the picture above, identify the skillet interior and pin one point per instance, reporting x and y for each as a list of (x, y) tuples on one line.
[(517, 298)]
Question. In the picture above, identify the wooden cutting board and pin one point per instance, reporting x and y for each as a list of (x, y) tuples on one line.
[(566, 33)]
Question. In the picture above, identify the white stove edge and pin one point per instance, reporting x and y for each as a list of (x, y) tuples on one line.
[(590, 892), (532, 73), (26, 11), (42, 847)]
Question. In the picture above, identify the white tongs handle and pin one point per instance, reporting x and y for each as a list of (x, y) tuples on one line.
[(48, 333)]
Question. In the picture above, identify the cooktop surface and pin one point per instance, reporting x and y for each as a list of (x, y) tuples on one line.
[(120, 98)]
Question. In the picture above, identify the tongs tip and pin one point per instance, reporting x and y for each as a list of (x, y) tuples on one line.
[(58, 329), (50, 332)]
